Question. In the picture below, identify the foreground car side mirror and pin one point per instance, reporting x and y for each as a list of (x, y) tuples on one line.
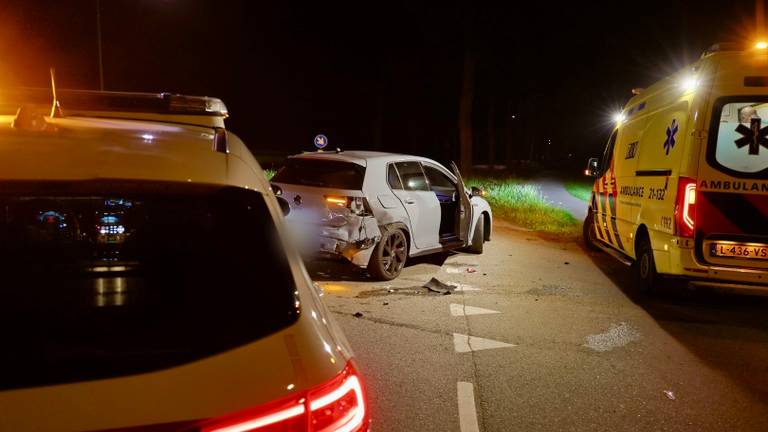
[(593, 168), (476, 191), (284, 206)]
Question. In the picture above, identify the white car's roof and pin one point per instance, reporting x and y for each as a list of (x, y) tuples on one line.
[(360, 157)]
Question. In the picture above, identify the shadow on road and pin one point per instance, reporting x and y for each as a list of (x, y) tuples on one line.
[(727, 330), (340, 270)]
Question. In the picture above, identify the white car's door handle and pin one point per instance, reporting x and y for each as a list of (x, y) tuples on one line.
[(410, 201)]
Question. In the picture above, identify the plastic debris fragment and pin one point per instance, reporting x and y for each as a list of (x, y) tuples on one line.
[(435, 285)]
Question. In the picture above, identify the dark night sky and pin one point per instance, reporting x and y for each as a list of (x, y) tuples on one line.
[(383, 75)]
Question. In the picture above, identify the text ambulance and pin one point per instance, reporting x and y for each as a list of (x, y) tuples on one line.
[(682, 187)]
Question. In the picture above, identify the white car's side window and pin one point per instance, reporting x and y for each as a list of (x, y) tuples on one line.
[(393, 178), (412, 176), (437, 178)]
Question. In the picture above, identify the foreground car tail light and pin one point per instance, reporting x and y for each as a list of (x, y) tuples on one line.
[(336, 406), (357, 205), (685, 207)]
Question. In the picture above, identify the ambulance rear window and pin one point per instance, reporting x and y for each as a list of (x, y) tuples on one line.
[(739, 137)]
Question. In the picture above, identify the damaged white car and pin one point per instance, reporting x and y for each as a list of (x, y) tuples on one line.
[(377, 209)]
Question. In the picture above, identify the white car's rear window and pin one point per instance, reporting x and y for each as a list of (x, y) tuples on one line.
[(321, 173), (102, 280)]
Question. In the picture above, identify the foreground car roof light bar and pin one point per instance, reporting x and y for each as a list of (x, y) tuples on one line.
[(89, 100)]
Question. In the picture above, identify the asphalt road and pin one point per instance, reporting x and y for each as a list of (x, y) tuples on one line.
[(567, 343), (553, 191)]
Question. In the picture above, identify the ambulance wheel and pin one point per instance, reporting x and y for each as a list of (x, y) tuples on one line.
[(645, 266), (588, 231), (389, 255), (478, 237)]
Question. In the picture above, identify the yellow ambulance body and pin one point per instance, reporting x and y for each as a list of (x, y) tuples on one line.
[(681, 190)]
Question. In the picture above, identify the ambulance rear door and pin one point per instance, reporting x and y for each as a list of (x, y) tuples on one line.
[(732, 196)]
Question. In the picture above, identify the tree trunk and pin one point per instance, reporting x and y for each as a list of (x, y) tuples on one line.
[(492, 134), (465, 114)]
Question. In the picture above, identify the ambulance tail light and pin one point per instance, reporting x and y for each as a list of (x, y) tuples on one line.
[(685, 207), (338, 405)]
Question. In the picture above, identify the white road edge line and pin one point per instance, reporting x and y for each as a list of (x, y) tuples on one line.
[(467, 411)]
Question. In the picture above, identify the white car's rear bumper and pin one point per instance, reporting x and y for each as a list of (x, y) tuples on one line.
[(352, 237)]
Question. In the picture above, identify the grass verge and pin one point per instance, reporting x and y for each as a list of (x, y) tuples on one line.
[(522, 204), (580, 189)]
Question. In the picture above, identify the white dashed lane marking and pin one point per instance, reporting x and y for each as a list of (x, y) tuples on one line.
[(463, 287), (464, 343), (462, 310), (467, 410)]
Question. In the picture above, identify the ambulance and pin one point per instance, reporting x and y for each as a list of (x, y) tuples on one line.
[(681, 190)]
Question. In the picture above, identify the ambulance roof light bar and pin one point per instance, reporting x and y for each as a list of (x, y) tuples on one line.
[(761, 44), (722, 47)]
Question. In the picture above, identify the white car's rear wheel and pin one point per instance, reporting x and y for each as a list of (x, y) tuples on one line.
[(389, 255)]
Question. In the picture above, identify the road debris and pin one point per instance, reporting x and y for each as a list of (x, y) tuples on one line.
[(669, 394), (616, 336), (550, 289), (357, 315), (471, 270), (435, 285)]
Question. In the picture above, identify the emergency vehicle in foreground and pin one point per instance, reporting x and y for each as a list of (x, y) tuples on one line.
[(681, 190), (145, 283)]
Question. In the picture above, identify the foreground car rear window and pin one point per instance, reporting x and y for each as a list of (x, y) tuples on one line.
[(106, 280), (321, 173)]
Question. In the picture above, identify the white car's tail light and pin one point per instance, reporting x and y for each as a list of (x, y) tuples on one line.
[(338, 405), (356, 205)]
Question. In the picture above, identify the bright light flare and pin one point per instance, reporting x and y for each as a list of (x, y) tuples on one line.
[(689, 83), (761, 45), (619, 117)]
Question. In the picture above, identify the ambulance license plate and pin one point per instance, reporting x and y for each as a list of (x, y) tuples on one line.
[(740, 250)]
